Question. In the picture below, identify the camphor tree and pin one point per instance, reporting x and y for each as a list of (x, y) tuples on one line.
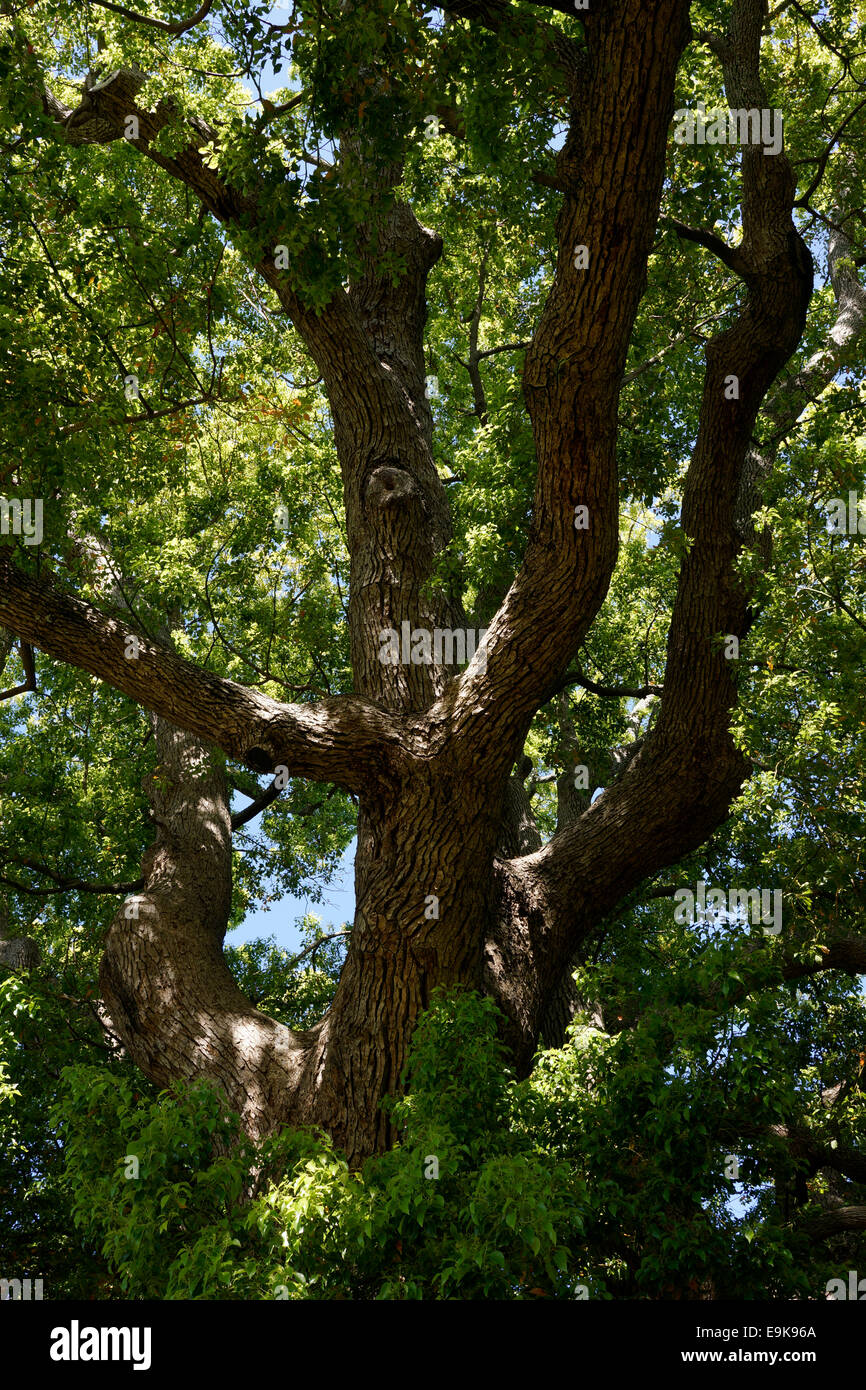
[(434, 336)]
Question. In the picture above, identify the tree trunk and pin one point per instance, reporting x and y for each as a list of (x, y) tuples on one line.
[(163, 975)]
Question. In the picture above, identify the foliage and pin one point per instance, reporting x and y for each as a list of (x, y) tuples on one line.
[(50, 1031), (272, 980), (493, 1222), (601, 1176)]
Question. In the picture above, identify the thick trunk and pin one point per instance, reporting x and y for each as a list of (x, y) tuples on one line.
[(421, 889), (163, 975)]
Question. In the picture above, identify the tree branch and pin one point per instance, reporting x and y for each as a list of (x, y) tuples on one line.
[(343, 739), (708, 239), (503, 347), (806, 198), (609, 692), (674, 342), (135, 421), (29, 683), (563, 52), (310, 950), (715, 43), (180, 27), (265, 799), (790, 397), (833, 1223), (572, 374), (681, 782), (261, 802), (66, 885)]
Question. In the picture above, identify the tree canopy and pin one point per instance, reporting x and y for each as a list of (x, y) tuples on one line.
[(326, 331)]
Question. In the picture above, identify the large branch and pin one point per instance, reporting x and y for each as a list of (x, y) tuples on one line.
[(344, 740), (811, 1152), (334, 336), (163, 975), (367, 343), (835, 1222), (28, 685), (500, 17), (180, 27), (791, 396), (761, 969), (681, 783), (611, 169)]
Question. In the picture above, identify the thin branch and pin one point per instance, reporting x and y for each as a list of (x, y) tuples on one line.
[(261, 802), (271, 112), (29, 674), (548, 180), (825, 155), (609, 692), (479, 398), (181, 27), (674, 342), (504, 347), (66, 885), (133, 421), (308, 950), (733, 259)]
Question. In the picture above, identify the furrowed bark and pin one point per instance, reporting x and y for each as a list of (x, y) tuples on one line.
[(611, 167), (459, 753), (163, 975), (683, 780), (368, 346)]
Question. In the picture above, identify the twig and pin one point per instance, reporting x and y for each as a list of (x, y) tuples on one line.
[(29, 674)]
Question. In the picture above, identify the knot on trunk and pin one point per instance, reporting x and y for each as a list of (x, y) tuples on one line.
[(259, 759), (105, 101), (390, 485)]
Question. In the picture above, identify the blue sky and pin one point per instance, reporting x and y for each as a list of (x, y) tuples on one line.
[(280, 920)]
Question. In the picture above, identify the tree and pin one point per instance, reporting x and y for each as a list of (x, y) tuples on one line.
[(309, 210)]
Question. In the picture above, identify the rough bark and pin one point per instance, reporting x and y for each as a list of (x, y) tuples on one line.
[(163, 975)]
